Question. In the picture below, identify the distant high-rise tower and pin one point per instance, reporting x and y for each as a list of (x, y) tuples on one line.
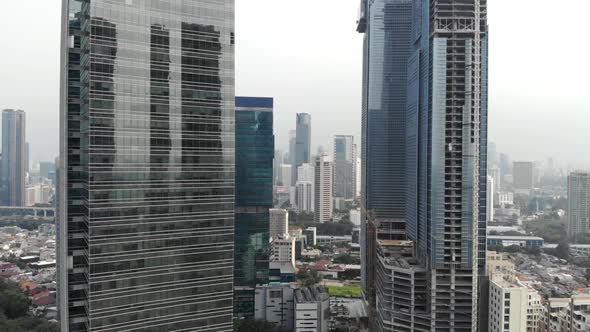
[(324, 169), (447, 127), (578, 196), (254, 198), (523, 177), (344, 166), (147, 166), (27, 157), (304, 188), (387, 28), (14, 158), (424, 167), (302, 142)]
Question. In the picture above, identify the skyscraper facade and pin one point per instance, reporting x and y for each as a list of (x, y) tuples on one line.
[(425, 83), (578, 197), (254, 198), (302, 142), (387, 26), (447, 124), (146, 174), (344, 166), (523, 177), (324, 170), (14, 158)]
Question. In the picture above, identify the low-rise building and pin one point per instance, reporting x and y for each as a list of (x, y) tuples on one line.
[(513, 305), (274, 303), (567, 314), (283, 249), (312, 309)]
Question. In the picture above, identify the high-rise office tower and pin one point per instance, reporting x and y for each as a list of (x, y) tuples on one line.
[(46, 168), (254, 198), (387, 28), (277, 162), (344, 165), (302, 142), (292, 153), (505, 166), (523, 177), (324, 169), (27, 157), (285, 175), (578, 197), (425, 81), (496, 174), (14, 158), (147, 166), (447, 135)]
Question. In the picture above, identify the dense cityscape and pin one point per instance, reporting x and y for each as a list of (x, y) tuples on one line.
[(172, 206)]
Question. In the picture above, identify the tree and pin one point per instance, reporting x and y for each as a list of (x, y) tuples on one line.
[(563, 250), (308, 277), (346, 259)]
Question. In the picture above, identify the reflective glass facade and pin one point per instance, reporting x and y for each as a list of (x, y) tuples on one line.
[(344, 166), (302, 143), (386, 52), (146, 174), (254, 198), (14, 158)]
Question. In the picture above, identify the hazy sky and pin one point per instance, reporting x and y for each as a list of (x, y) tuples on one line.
[(307, 55)]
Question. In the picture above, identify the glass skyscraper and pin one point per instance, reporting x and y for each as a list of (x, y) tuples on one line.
[(302, 143), (254, 198), (146, 174), (387, 26), (424, 194), (14, 158), (344, 166)]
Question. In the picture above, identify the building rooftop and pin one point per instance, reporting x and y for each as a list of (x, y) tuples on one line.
[(311, 294)]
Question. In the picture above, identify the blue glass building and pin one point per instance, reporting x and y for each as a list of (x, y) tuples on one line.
[(387, 45), (254, 198), (302, 143), (145, 211), (424, 131)]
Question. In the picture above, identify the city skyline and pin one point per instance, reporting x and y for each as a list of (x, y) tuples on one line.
[(214, 171), (519, 92)]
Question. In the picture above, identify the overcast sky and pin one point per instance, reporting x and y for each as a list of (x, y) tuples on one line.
[(307, 55)]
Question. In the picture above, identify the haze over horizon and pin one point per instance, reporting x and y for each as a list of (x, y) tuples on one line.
[(287, 50)]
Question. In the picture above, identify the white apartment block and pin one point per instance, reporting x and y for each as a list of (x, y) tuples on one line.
[(503, 198), (513, 305), (567, 314), (38, 194), (324, 170), (305, 172), (508, 306), (274, 303), (279, 223), (283, 249), (312, 309), (305, 196)]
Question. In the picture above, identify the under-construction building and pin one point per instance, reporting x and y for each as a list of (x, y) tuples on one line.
[(424, 86)]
